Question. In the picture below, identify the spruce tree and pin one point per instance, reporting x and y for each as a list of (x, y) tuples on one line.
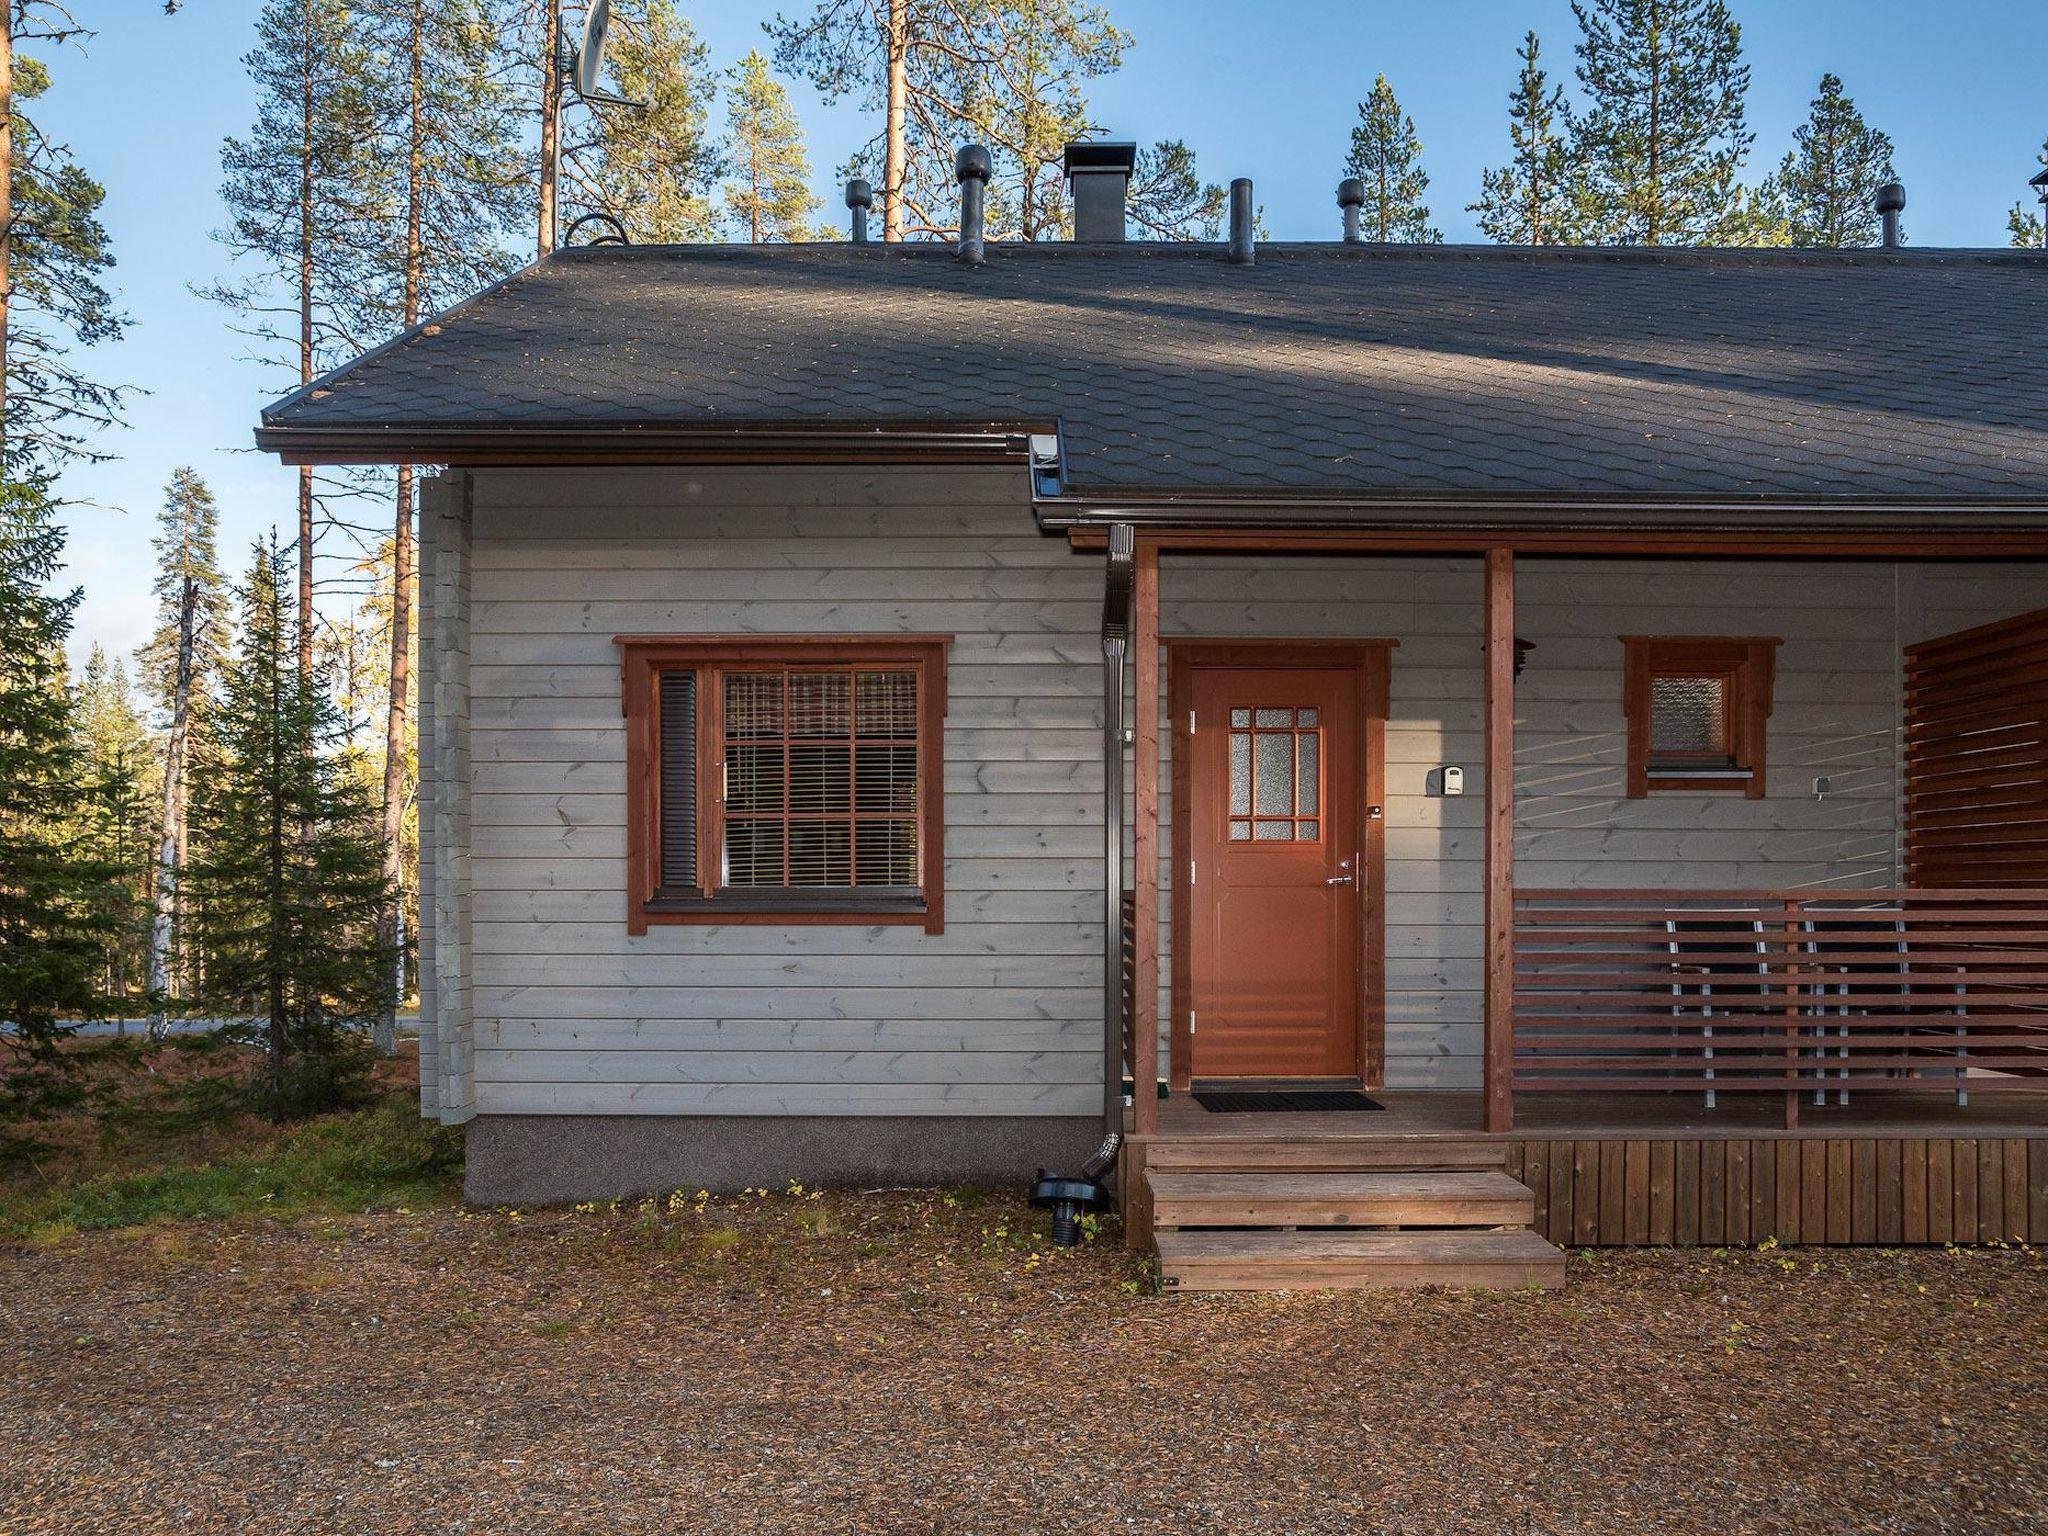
[(1828, 183), (307, 191), (1386, 152), (180, 664), (1529, 200), (652, 169), (55, 913), (287, 880), (2028, 231), (1658, 152), (769, 195), (1168, 200), (115, 823)]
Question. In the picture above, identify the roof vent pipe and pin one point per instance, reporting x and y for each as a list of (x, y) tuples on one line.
[(1241, 252), (1351, 198), (1891, 202), (972, 167), (860, 197)]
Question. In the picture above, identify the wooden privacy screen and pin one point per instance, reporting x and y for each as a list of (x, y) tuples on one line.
[(1977, 756), (1733, 991)]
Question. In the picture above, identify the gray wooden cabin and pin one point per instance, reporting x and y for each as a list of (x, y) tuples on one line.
[(825, 648)]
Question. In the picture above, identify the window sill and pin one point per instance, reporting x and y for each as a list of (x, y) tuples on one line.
[(851, 908)]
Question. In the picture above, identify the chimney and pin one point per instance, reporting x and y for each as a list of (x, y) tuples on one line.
[(972, 167), (1891, 202), (1099, 179), (1241, 252), (1351, 198), (860, 197), (2040, 184)]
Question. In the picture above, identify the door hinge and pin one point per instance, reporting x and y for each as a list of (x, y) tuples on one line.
[(1191, 1023), (1191, 722), (1191, 871)]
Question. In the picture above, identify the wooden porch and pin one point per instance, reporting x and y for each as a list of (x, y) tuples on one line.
[(1674, 1065)]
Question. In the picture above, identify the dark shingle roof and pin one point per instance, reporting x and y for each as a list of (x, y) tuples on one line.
[(1322, 368)]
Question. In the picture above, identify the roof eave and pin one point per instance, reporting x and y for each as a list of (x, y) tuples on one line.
[(723, 443)]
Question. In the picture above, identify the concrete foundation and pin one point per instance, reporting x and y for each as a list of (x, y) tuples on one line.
[(550, 1159)]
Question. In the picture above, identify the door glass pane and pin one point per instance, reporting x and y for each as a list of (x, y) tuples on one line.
[(1241, 719), (1309, 716), (1273, 780), (1308, 772), (1274, 831), (1240, 775), (1240, 831), (1273, 719), (1310, 831)]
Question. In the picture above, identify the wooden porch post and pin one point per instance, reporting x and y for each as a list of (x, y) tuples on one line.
[(1145, 842), (1500, 838)]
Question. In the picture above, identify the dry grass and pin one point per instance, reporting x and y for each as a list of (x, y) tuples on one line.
[(925, 1363)]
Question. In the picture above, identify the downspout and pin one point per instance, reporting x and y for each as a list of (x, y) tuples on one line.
[(1068, 1198)]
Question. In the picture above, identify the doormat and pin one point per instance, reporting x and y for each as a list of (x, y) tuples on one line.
[(1264, 1101)]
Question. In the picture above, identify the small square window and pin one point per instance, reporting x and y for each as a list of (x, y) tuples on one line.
[(1697, 709)]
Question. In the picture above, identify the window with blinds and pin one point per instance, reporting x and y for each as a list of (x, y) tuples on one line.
[(798, 779)]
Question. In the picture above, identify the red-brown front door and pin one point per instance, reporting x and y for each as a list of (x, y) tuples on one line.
[(1273, 829)]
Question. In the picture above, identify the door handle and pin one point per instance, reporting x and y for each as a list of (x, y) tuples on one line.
[(1338, 880)]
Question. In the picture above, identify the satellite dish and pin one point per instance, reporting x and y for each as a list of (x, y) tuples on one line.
[(590, 57)]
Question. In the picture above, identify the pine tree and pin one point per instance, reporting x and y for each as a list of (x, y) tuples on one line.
[(115, 824), (55, 915), (1168, 200), (1529, 201), (286, 883), (653, 168), (54, 253), (309, 190), (1828, 183), (769, 197), (1659, 150), (1008, 73), (2028, 231), (180, 663), (450, 119), (1386, 152)]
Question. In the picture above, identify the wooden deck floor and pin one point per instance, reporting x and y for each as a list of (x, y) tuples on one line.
[(1454, 1115)]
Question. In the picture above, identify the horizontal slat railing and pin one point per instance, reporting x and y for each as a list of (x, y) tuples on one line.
[(1776, 991)]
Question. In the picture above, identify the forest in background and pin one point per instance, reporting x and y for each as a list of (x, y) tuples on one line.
[(223, 826)]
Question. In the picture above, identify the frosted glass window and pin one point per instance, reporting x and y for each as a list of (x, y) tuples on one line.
[(1689, 716), (1241, 719), (1273, 719), (1275, 831), (1273, 774), (1240, 775), (1307, 772)]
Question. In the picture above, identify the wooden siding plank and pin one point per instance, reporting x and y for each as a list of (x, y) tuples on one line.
[(1863, 1191), (1663, 1193), (1913, 1190), (1536, 1174), (1713, 1193), (1990, 1190), (1890, 1192), (1941, 1190), (1735, 1225), (1763, 1189), (1786, 1223), (1613, 1192), (1686, 1213), (1813, 1191), (1963, 1218), (2017, 1227), (1585, 1192), (2037, 1191), (1839, 1225), (1562, 1182)]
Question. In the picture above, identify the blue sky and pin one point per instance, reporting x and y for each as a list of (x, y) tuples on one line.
[(1261, 90)]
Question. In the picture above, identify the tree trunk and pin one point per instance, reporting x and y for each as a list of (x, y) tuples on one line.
[(6, 199), (309, 120), (170, 845), (893, 147), (550, 122)]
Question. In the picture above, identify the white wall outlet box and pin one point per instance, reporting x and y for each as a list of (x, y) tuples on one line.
[(1454, 781)]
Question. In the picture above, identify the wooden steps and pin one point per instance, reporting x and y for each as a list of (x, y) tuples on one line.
[(1325, 1155), (1308, 1261), (1314, 1213), (1408, 1198)]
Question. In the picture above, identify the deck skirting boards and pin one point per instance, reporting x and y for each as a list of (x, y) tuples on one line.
[(1806, 1190), (550, 1159)]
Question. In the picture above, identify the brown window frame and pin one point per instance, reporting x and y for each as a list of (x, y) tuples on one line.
[(1747, 662), (645, 659)]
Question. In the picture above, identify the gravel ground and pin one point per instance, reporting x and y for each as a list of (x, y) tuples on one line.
[(918, 1363)]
